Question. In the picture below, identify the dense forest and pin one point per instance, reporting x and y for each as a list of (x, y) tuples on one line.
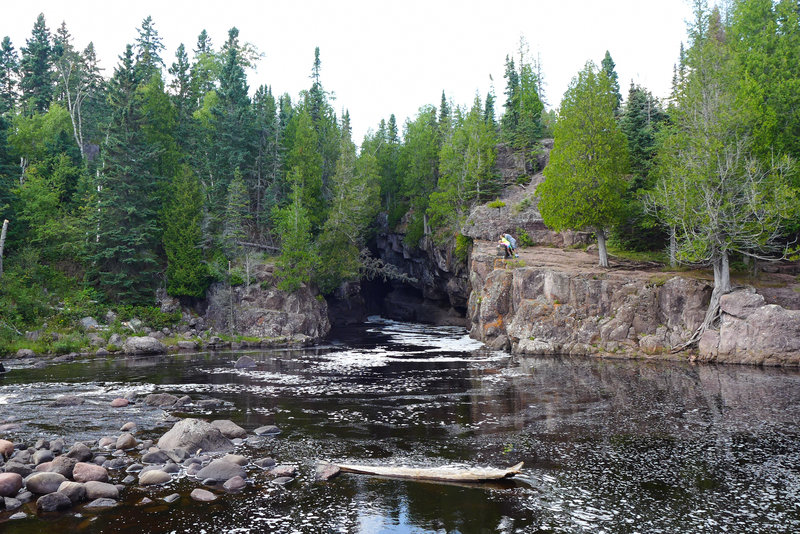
[(171, 174)]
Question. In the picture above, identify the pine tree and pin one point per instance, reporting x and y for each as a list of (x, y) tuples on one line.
[(35, 67), (306, 162), (237, 212), (298, 258), (124, 209), (187, 273), (205, 68), (9, 71), (267, 191), (148, 51), (608, 66)]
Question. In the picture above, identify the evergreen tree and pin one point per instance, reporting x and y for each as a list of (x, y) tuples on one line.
[(354, 204), (36, 69), (325, 126), (123, 212), (584, 181), (488, 110), (510, 119), (418, 165), (521, 123), (466, 164), (205, 69), (187, 273), (237, 211), (267, 191), (306, 162), (298, 258), (9, 71), (149, 46), (608, 67)]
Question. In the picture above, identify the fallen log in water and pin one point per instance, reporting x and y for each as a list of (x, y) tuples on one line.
[(444, 474)]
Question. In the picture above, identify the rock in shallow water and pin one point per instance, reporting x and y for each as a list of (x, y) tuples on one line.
[(98, 490), (53, 502), (43, 483), (85, 472), (194, 434), (267, 430), (74, 490), (154, 478), (327, 471), (10, 484), (220, 471), (201, 495), (235, 484), (102, 503)]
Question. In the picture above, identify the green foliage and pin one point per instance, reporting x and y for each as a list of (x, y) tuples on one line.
[(462, 248), (496, 204), (187, 272), (415, 231), (584, 182), (151, 316), (523, 239), (466, 166), (298, 257), (522, 120)]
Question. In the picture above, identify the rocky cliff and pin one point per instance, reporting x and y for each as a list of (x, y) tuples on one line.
[(553, 301), (261, 310)]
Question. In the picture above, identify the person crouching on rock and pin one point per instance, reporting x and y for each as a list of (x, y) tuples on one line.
[(507, 253)]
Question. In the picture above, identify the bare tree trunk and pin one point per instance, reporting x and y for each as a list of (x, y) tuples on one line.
[(673, 248), (601, 247), (722, 285), (3, 243)]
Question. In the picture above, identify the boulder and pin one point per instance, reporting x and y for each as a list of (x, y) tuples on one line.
[(143, 345), (85, 472), (101, 490), (43, 483), (130, 426), (11, 504), (126, 441), (326, 471), (68, 400), (53, 502), (187, 345), (221, 471), (74, 490), (62, 465), (89, 323), (25, 353), (102, 503), (155, 457), (281, 481), (234, 484), (80, 452), (119, 403), (265, 463), (41, 456), (266, 430), (161, 400), (237, 459), (229, 429), (6, 448), (283, 471), (193, 435), (10, 484), (154, 478), (201, 495), (245, 362)]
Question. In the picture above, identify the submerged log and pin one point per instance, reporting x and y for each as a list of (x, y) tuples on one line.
[(444, 474)]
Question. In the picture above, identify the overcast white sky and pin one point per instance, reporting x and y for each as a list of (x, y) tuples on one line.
[(382, 57)]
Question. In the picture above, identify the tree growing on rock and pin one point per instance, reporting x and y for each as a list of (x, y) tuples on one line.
[(585, 179), (712, 190)]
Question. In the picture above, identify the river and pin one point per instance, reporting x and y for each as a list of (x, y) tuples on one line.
[(609, 445)]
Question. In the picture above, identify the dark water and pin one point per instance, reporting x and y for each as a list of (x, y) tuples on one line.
[(609, 446)]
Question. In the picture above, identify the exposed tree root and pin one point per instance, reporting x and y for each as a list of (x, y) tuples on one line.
[(713, 314)]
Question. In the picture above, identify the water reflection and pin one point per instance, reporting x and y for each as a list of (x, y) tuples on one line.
[(609, 445)]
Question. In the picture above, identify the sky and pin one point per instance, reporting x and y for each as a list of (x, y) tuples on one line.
[(382, 57)]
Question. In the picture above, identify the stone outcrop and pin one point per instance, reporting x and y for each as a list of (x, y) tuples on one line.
[(193, 435), (520, 209), (143, 345), (752, 331), (556, 302), (263, 311)]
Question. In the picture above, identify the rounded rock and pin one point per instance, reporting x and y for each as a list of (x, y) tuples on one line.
[(74, 490), (126, 442), (237, 459), (201, 495), (43, 483), (6, 448), (10, 484), (99, 490), (102, 503), (154, 478), (234, 484), (220, 471), (128, 427), (119, 402), (85, 472), (53, 502)]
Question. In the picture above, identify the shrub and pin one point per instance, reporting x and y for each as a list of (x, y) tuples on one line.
[(463, 244), (523, 239), (496, 204)]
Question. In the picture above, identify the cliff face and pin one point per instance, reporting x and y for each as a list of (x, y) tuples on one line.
[(557, 302), (263, 311)]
